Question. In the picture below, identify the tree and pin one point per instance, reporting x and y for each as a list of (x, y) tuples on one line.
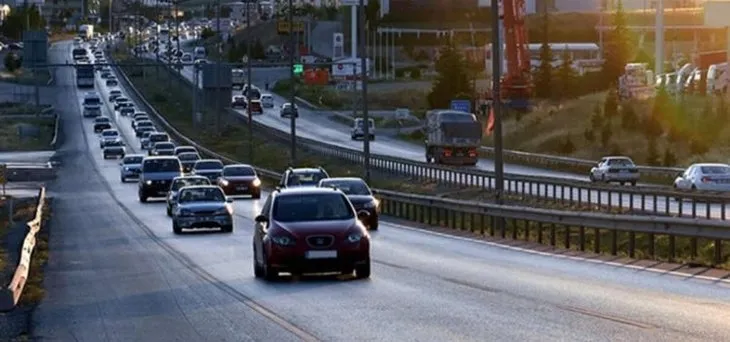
[(544, 72), (453, 78), (617, 50), (257, 50), (567, 77), (652, 154), (372, 14), (610, 105), (18, 19)]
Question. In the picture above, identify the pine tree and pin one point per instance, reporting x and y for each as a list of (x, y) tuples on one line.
[(544, 73), (617, 50), (453, 78), (567, 77)]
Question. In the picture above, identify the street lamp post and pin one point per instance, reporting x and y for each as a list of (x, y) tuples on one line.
[(292, 98), (364, 78), (248, 82)]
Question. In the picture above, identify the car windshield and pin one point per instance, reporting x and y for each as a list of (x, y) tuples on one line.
[(164, 146), (239, 171), (190, 181), (115, 143), (161, 165), (202, 195), (159, 137), (188, 156), (144, 124), (110, 134), (180, 150), (349, 187), (313, 207), (620, 162), (715, 170), (102, 120), (209, 165), (133, 160), (305, 178)]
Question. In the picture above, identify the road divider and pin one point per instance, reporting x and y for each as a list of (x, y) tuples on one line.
[(640, 199), (655, 237), (10, 295)]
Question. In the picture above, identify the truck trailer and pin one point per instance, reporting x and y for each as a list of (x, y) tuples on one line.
[(452, 137)]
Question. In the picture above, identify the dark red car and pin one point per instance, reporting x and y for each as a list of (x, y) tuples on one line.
[(310, 230), (240, 179)]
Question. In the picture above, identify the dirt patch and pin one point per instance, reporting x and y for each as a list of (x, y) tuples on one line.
[(38, 134)]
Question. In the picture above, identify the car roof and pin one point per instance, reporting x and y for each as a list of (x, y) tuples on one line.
[(306, 191), (306, 169), (160, 158), (134, 156), (209, 160), (110, 130), (709, 164), (164, 143), (211, 186), (186, 146), (190, 177), (103, 118), (347, 179), (237, 165)]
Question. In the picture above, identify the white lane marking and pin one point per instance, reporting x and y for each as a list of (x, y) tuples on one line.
[(560, 256)]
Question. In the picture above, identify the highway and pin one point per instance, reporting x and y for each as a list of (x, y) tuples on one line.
[(314, 125), (118, 273)]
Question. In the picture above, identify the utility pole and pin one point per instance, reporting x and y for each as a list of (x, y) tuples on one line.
[(497, 102), (659, 39), (364, 78), (292, 99), (218, 67), (248, 82), (111, 28)]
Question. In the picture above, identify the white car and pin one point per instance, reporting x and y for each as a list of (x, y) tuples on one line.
[(108, 136), (704, 176), (615, 169), (358, 129), (130, 167), (267, 100)]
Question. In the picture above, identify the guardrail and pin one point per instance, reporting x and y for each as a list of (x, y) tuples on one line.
[(10, 296), (526, 223), (653, 200)]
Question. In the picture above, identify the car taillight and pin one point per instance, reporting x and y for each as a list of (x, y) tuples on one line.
[(447, 153), (472, 152)]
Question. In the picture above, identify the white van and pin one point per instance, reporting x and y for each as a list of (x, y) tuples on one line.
[(199, 53), (358, 129), (267, 100), (92, 105)]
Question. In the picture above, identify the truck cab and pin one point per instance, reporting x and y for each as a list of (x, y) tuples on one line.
[(358, 129), (452, 137)]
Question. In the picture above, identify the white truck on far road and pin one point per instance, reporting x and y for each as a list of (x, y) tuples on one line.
[(86, 32)]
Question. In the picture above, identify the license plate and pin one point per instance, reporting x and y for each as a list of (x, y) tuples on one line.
[(241, 188), (321, 254), (625, 171)]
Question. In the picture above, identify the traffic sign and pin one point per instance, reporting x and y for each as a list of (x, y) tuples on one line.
[(298, 68), (461, 105)]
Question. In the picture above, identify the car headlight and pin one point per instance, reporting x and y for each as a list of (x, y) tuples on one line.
[(256, 182), (224, 182), (149, 182), (222, 211), (283, 240), (369, 205), (354, 237), (126, 168)]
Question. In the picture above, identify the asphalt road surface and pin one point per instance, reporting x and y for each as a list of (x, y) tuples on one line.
[(118, 272)]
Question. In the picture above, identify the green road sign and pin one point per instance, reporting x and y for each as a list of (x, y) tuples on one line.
[(298, 68)]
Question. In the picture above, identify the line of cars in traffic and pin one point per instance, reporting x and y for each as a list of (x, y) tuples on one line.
[(311, 223)]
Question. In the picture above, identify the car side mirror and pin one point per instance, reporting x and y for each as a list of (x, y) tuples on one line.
[(261, 219), (375, 192), (363, 215), (229, 200)]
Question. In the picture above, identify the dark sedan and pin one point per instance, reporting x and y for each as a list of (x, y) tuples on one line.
[(210, 168), (359, 194), (100, 124), (240, 179), (188, 159), (310, 230)]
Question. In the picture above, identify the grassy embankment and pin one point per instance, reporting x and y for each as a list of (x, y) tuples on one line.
[(173, 100), (11, 140)]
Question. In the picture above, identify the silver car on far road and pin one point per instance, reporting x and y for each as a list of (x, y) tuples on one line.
[(616, 169), (705, 176)]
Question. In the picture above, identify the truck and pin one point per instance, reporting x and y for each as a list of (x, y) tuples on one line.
[(637, 82), (86, 32), (452, 137), (238, 78), (85, 75)]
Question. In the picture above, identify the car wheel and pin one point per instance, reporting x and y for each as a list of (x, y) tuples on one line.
[(258, 271), (363, 271), (352, 137), (175, 228), (633, 183), (374, 225), (270, 274), (143, 198), (124, 180), (169, 211), (591, 178), (227, 228)]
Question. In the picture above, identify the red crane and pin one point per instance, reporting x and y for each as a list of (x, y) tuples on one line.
[(516, 83)]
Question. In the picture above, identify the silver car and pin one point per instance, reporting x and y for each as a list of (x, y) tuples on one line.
[(179, 183), (130, 167), (108, 135), (200, 207), (705, 176), (615, 169)]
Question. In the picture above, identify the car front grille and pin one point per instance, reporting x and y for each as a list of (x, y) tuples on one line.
[(204, 213), (320, 241)]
